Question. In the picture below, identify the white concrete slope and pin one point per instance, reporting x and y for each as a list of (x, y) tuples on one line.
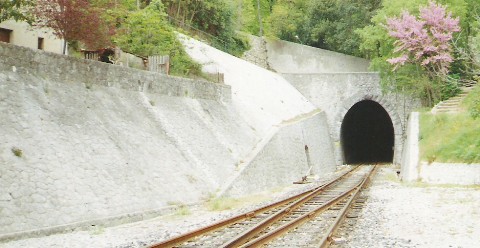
[(85, 142), (262, 97)]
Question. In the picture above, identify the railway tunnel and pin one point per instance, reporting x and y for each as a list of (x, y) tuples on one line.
[(367, 134)]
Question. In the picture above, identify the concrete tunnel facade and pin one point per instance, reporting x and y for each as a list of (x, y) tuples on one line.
[(370, 131)]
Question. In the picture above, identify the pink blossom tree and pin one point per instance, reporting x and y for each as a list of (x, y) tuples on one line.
[(424, 41)]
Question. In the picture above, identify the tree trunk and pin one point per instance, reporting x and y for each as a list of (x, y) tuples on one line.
[(260, 24), (64, 47)]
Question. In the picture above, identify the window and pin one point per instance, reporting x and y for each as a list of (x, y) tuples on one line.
[(5, 35), (40, 43)]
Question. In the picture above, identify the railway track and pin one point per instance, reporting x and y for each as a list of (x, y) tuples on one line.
[(308, 219)]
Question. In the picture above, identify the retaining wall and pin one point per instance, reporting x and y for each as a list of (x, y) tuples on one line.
[(98, 142), (435, 173), (284, 159), (410, 158), (101, 143), (289, 57), (60, 68)]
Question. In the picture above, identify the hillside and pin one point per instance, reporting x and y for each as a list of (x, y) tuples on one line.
[(452, 138)]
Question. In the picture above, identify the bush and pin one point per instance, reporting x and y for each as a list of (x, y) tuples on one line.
[(146, 32), (472, 102)]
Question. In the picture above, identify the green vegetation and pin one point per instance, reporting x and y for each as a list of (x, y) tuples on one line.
[(146, 32), (220, 204), (183, 210), (15, 9), (212, 20), (452, 137), (17, 152), (472, 103), (414, 79)]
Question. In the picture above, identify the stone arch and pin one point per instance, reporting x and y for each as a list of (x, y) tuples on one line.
[(342, 111)]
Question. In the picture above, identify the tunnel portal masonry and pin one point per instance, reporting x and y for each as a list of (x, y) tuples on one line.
[(348, 89)]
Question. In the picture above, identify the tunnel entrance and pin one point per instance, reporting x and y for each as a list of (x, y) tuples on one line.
[(367, 134)]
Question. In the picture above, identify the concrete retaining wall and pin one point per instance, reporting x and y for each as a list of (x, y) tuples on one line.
[(436, 173), (410, 157), (284, 159), (289, 57)]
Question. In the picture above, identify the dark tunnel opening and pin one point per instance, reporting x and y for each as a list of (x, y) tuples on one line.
[(367, 134)]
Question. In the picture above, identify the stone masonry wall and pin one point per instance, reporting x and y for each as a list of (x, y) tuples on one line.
[(258, 53), (83, 142), (95, 141), (62, 68)]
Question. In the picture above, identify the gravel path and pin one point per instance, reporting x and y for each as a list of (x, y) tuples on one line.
[(417, 215), (395, 215)]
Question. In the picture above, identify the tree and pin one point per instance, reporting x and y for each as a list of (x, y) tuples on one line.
[(146, 32), (289, 20), (74, 20), (425, 40), (213, 20), (410, 78), (326, 24), (15, 9)]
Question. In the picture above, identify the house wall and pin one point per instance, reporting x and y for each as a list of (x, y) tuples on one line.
[(24, 35)]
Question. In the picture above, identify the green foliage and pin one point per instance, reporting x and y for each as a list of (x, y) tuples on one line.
[(213, 20), (16, 10), (472, 103), (183, 210), (147, 32), (288, 20), (327, 24), (451, 87), (450, 137), (220, 204), (378, 45), (250, 15)]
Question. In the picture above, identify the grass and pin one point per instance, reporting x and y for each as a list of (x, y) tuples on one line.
[(226, 203), (220, 204), (183, 210), (451, 138)]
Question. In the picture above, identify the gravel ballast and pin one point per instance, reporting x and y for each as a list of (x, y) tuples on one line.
[(395, 215)]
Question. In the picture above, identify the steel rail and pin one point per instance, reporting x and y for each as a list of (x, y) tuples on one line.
[(232, 220), (327, 239), (255, 230), (279, 231)]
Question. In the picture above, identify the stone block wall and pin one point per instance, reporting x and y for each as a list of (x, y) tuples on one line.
[(60, 68), (100, 142), (86, 142)]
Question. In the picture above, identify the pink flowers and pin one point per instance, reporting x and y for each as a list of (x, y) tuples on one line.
[(425, 40)]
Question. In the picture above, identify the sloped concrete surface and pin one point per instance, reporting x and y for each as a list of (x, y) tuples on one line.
[(83, 142)]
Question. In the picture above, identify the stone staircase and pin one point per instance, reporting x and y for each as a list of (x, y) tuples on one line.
[(452, 105)]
